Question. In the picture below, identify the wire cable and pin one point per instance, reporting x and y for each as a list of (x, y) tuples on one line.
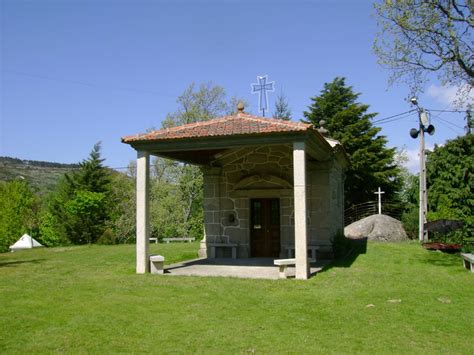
[(393, 116)]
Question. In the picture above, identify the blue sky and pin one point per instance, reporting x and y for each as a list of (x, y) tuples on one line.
[(77, 72)]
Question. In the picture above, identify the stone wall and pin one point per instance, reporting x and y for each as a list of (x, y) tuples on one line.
[(267, 172)]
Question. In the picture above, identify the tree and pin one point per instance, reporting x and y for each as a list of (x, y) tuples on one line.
[(48, 231), (420, 37), (201, 104), (177, 188), (122, 218), (17, 212), (80, 206), (282, 110), (372, 163), (450, 181)]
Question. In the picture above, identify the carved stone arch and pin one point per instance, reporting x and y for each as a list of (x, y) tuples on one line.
[(262, 182)]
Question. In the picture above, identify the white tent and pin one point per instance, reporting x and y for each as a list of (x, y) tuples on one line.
[(25, 242)]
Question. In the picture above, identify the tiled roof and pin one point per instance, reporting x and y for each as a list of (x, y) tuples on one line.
[(238, 124)]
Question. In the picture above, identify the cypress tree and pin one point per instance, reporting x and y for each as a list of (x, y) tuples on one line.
[(372, 163)]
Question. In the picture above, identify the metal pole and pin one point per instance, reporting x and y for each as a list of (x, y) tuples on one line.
[(422, 213)]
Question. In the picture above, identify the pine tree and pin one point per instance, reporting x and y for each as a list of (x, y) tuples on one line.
[(80, 206), (282, 110), (372, 163), (92, 175)]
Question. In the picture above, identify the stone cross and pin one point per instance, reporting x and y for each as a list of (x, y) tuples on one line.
[(379, 192), (261, 88)]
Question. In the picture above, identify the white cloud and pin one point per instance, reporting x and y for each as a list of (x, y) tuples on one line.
[(413, 163), (413, 160), (446, 95)]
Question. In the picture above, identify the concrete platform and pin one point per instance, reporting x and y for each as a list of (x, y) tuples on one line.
[(249, 268)]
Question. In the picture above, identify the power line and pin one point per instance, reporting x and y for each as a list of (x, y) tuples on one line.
[(396, 119), (86, 83), (451, 111), (448, 127), (393, 116), (448, 122)]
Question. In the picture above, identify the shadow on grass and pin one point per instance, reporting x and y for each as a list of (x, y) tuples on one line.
[(19, 262), (439, 258), (356, 248)]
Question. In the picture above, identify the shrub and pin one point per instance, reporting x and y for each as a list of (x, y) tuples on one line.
[(107, 238)]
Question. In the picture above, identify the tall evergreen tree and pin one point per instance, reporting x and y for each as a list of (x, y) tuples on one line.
[(372, 163), (282, 109), (80, 206)]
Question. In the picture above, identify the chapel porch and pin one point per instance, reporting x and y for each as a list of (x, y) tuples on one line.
[(270, 186), (248, 268)]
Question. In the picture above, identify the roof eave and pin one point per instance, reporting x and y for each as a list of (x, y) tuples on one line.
[(216, 142)]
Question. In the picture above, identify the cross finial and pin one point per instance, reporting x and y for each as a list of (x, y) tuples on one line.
[(321, 128), (261, 88)]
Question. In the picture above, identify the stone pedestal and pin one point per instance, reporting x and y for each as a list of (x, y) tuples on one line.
[(157, 264)]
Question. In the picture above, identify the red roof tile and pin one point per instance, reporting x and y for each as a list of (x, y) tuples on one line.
[(238, 124)]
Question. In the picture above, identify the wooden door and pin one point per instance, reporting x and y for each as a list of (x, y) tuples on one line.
[(265, 227)]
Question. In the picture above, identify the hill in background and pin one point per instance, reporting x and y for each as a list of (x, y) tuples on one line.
[(41, 175)]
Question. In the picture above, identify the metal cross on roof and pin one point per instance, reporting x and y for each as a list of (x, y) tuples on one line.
[(261, 88)]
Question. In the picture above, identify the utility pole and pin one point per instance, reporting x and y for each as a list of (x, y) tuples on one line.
[(424, 126), (469, 120)]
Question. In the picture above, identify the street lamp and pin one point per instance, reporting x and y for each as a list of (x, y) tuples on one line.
[(424, 126)]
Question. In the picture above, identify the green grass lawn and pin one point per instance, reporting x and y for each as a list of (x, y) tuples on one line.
[(88, 299)]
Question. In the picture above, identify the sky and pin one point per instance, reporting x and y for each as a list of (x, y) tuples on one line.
[(77, 72)]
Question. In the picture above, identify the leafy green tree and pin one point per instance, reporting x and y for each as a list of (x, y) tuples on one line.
[(48, 232), (177, 188), (450, 180), (420, 37), (198, 104), (81, 206), (347, 121), (17, 212), (122, 206), (282, 109), (87, 216), (191, 196)]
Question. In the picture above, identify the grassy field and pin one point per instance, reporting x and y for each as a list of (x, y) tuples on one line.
[(394, 298)]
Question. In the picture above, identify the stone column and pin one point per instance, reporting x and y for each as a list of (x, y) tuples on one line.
[(143, 211), (212, 226), (301, 230)]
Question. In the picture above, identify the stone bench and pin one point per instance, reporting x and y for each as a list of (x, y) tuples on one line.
[(291, 251), (167, 240), (468, 261), (283, 265), (213, 247), (153, 240), (157, 264)]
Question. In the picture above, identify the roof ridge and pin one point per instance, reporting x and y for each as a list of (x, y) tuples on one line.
[(238, 123), (277, 121), (191, 124)]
